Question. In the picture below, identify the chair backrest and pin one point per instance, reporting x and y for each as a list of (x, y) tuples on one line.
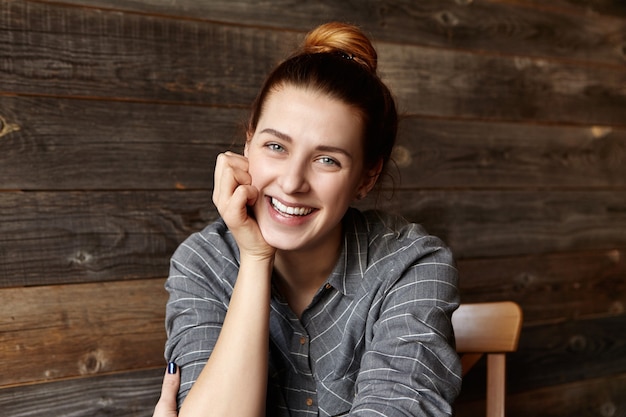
[(490, 329)]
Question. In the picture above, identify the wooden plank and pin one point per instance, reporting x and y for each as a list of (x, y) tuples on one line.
[(568, 351), (50, 237), (129, 394), (498, 223), (81, 329), (496, 26), (66, 51), (446, 83), (550, 287), (121, 145), (558, 353), (612, 8), (434, 153), (96, 317), (53, 237), (79, 52), (112, 145), (584, 398)]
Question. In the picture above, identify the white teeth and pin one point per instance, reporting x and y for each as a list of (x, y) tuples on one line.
[(292, 211)]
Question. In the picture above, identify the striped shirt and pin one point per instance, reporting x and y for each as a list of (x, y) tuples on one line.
[(376, 339)]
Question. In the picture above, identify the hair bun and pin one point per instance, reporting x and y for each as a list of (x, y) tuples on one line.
[(342, 38)]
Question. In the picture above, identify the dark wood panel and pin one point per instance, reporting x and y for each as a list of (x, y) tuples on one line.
[(49, 237), (437, 83), (121, 145), (52, 50), (75, 236), (479, 224), (89, 144), (568, 351), (599, 397), (461, 154), (101, 314), (81, 329), (130, 394), (496, 26), (559, 353), (594, 8), (83, 52), (550, 287)]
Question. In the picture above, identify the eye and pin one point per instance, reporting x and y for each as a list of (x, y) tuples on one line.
[(326, 160), (275, 147)]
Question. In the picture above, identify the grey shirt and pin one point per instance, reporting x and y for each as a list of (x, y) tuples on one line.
[(375, 341)]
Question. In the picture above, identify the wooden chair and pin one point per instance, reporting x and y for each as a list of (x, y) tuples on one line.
[(490, 329)]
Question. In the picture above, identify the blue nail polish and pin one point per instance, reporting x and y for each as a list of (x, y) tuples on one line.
[(171, 368)]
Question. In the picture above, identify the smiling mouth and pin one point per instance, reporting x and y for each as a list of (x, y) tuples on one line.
[(291, 211)]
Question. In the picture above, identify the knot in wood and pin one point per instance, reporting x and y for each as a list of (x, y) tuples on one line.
[(448, 19), (401, 156), (92, 362), (6, 127), (578, 343), (608, 409)]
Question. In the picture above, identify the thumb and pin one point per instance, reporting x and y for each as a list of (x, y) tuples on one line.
[(166, 406)]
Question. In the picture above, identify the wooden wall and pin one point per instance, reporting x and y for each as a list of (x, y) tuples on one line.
[(512, 149)]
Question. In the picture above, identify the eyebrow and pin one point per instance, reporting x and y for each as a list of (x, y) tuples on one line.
[(324, 148)]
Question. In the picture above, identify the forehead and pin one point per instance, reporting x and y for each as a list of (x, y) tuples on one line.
[(305, 113)]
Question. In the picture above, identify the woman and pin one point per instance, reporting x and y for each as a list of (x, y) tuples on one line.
[(294, 303)]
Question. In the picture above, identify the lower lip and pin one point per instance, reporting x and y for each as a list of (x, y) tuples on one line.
[(286, 218)]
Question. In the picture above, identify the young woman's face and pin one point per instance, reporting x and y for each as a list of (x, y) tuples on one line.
[(306, 159)]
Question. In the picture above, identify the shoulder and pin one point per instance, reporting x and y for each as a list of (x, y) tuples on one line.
[(390, 232), (396, 245), (214, 245)]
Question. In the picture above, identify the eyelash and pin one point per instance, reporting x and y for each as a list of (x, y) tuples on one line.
[(275, 147), (325, 160)]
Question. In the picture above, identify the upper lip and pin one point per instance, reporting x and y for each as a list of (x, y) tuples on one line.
[(291, 208)]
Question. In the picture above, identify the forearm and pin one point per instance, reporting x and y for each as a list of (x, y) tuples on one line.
[(234, 380)]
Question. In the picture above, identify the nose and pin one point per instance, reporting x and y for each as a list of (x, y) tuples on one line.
[(293, 177)]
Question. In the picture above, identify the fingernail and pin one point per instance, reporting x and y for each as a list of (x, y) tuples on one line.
[(171, 368)]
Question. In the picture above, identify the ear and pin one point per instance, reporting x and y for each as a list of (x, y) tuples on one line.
[(370, 177)]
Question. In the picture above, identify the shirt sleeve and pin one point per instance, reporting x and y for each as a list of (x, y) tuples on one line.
[(199, 286), (411, 367)]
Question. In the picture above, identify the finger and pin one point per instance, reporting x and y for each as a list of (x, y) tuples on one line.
[(166, 406), (237, 208), (231, 171)]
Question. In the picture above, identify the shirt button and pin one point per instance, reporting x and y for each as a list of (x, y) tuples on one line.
[(309, 401), (302, 340), (328, 286)]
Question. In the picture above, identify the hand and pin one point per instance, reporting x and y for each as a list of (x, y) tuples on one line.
[(234, 196), (166, 406)]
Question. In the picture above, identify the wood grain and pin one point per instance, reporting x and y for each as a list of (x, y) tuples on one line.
[(65, 144), (510, 27), (512, 149), (552, 287), (80, 52), (56, 332), (73, 236), (435, 153), (128, 394), (87, 53), (558, 353), (594, 397), (49, 237), (156, 146), (509, 223)]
